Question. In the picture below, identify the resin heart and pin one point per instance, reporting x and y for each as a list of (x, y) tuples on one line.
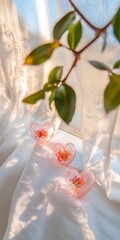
[(64, 154), (79, 183), (42, 133)]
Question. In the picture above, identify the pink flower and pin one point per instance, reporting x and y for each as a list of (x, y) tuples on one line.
[(41, 133), (62, 155)]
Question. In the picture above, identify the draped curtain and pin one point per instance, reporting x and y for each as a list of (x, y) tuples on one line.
[(25, 25)]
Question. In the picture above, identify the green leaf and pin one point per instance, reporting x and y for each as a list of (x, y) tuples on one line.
[(117, 64), (51, 98), (55, 75), (49, 87), (74, 34), (63, 24), (65, 101), (112, 93), (32, 99), (100, 65), (116, 25), (104, 42), (41, 54)]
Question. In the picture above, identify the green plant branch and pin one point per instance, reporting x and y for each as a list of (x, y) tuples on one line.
[(88, 44), (64, 46), (62, 94), (77, 54), (98, 34), (73, 65), (83, 17)]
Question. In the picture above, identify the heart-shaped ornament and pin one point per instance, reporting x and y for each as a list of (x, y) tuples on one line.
[(64, 154), (79, 183), (42, 133)]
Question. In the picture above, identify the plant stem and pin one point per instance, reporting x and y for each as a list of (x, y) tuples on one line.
[(83, 17), (88, 44), (98, 34), (106, 26), (73, 65), (62, 45), (77, 54)]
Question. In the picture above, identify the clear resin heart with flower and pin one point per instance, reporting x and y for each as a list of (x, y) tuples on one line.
[(64, 154), (79, 184), (42, 133)]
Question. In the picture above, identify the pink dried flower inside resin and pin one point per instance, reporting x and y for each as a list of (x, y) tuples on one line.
[(62, 155), (79, 184), (41, 133)]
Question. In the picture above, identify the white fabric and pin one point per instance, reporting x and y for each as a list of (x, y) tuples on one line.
[(32, 204), (41, 209)]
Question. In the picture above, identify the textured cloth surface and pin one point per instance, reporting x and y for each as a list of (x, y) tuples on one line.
[(42, 209), (32, 203)]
